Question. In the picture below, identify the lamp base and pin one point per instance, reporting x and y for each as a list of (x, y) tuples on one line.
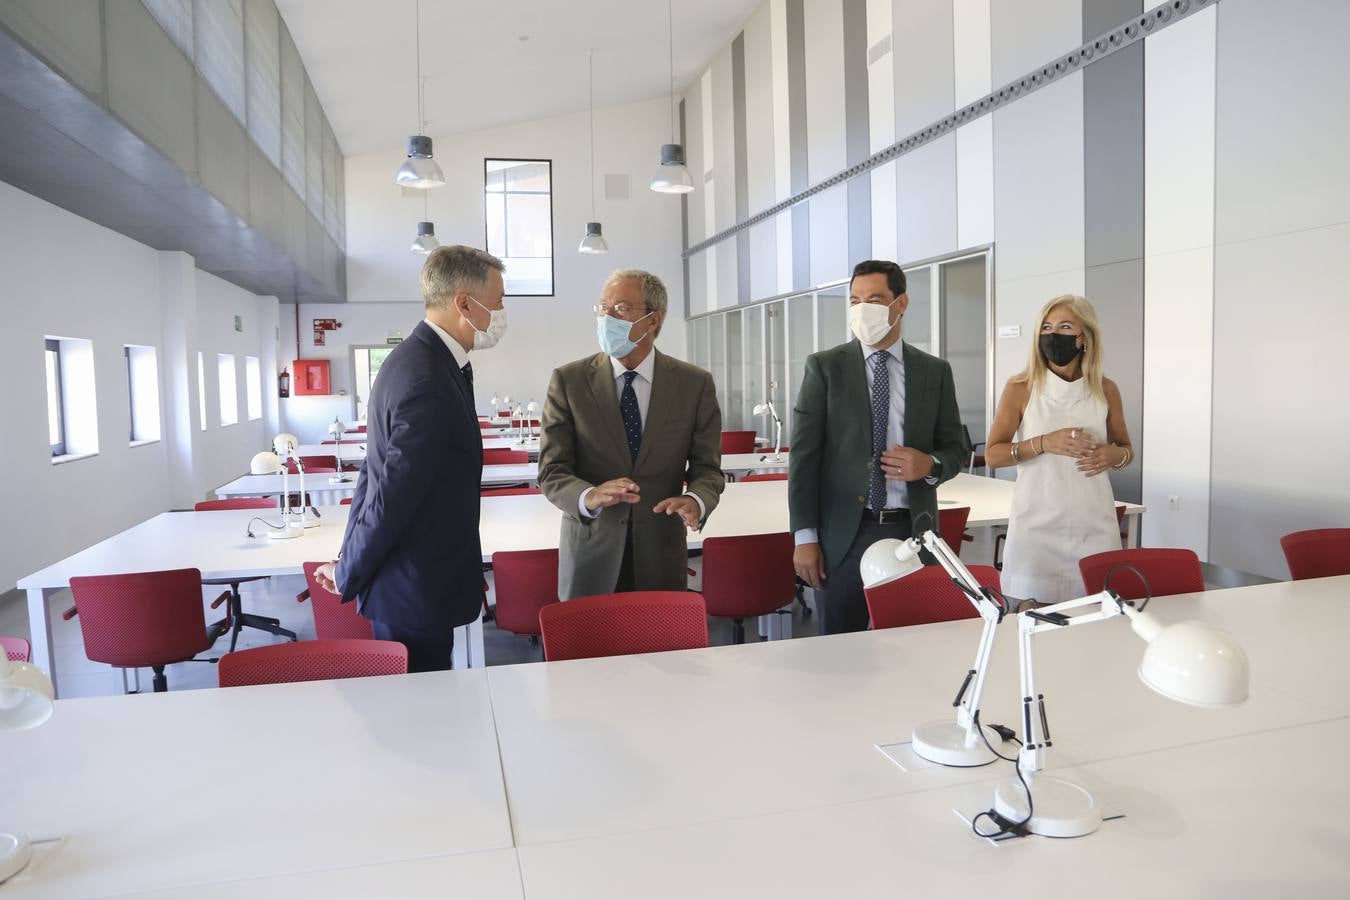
[(945, 742), (295, 520), (285, 534), (15, 853), (1061, 808)]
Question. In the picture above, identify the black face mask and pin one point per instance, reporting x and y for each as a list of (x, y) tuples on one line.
[(1060, 349)]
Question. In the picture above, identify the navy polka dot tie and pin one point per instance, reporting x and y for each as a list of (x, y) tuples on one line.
[(881, 413), (632, 416)]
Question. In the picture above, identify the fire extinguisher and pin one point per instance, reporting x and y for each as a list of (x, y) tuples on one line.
[(284, 383)]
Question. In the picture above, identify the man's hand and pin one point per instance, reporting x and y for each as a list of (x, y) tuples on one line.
[(326, 576), (684, 507), (905, 464), (809, 563), (611, 493)]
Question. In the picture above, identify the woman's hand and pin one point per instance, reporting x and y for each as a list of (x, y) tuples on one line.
[(1100, 459), (1073, 442)]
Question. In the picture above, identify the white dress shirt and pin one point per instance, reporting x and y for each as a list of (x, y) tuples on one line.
[(897, 491), (642, 387), (461, 355)]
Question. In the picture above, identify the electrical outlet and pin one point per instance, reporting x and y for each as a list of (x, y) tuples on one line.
[(1173, 501)]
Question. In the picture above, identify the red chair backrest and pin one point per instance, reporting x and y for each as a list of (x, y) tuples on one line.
[(749, 575), (141, 619), (236, 503), (928, 595), (1318, 553), (312, 661), (313, 464), (319, 470), (770, 476), (345, 501), (16, 649), (486, 425), (526, 581), (619, 624), (1168, 572), (499, 457), (508, 492), (738, 442), (333, 618), (952, 526), (359, 429)]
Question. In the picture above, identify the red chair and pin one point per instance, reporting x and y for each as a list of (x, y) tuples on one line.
[(312, 661), (738, 442), (16, 649), (1318, 553), (508, 492), (928, 595), (236, 503), (952, 526), (313, 464), (333, 619), (620, 624), (747, 576), (345, 501), (770, 476), (359, 429), (998, 541), (485, 426), (1168, 572), (498, 457), (527, 581), (146, 619)]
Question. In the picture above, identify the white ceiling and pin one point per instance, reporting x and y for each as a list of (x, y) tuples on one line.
[(360, 55)]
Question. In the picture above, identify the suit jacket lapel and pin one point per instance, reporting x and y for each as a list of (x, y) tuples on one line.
[(916, 384), (606, 396), (424, 333), (855, 383), (664, 388)]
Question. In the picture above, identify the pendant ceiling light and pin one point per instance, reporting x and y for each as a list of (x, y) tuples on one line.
[(426, 233), (672, 177), (419, 170), (594, 241)]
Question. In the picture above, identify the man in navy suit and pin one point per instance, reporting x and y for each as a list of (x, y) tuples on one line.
[(411, 555)]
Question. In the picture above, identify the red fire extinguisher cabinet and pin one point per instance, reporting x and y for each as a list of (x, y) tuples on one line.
[(312, 377)]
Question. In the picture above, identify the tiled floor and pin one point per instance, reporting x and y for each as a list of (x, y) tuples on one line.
[(276, 597)]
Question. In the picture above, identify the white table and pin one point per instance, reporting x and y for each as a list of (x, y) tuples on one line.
[(162, 791), (215, 542), (323, 491), (345, 452), (740, 464), (627, 744)]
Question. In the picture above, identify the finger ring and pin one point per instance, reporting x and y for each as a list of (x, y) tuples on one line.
[(1073, 434)]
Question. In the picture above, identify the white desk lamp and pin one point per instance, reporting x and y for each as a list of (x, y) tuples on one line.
[(269, 463), (286, 446), (531, 410), (516, 415), (950, 742), (1189, 662), (25, 702), (336, 428), (767, 407), (492, 412)]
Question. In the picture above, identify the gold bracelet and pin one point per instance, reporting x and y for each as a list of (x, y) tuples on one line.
[(1040, 451), (1017, 457), (1125, 460)]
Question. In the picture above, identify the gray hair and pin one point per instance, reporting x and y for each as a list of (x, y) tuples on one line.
[(653, 290), (454, 268)]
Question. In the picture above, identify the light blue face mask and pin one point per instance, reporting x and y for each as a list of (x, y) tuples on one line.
[(613, 335)]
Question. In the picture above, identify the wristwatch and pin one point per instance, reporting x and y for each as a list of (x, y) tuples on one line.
[(934, 476)]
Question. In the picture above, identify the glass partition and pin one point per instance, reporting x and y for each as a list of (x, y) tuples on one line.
[(754, 369), (801, 330), (733, 412)]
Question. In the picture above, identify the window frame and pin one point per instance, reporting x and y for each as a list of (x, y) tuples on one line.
[(552, 242), (54, 346)]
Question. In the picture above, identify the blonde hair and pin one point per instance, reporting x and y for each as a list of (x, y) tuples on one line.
[(1035, 372)]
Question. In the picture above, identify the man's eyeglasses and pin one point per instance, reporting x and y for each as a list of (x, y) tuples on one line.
[(621, 310)]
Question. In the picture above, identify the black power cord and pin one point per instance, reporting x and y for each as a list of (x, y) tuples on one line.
[(248, 529), (1148, 591), (1003, 823)]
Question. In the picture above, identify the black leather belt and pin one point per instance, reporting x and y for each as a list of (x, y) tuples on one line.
[(886, 516)]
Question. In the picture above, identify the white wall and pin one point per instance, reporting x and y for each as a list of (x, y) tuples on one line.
[(104, 287), (382, 275)]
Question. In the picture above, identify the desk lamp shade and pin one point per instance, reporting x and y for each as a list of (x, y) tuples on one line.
[(265, 463), (889, 559), (1191, 662), (284, 443)]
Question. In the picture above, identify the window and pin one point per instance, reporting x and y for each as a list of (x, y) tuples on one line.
[(201, 391), (518, 196), (56, 412), (229, 391), (367, 361), (72, 407), (253, 387), (143, 393)]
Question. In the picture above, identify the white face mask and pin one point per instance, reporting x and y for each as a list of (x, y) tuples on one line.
[(870, 322), (485, 340)]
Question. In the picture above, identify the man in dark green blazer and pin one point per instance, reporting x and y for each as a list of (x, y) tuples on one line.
[(875, 430)]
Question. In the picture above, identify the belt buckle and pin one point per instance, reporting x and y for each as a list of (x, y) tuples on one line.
[(888, 516)]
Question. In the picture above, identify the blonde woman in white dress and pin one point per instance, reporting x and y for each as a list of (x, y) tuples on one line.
[(1061, 424)]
